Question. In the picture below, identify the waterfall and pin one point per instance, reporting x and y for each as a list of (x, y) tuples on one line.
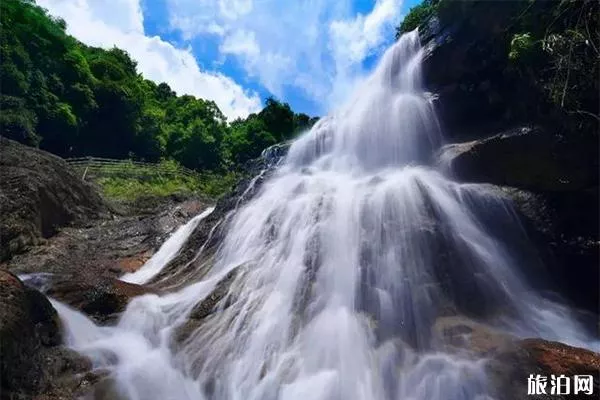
[(166, 252), (341, 265)]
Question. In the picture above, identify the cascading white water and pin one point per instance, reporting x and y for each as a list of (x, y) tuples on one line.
[(166, 252), (346, 257)]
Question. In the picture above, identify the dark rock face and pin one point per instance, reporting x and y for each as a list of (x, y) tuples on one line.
[(553, 182), (564, 226), (510, 134), (32, 361), (464, 65), (529, 158), (468, 65), (38, 194)]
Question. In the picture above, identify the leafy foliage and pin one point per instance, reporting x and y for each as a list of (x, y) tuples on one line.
[(74, 100), (416, 16), (521, 45)]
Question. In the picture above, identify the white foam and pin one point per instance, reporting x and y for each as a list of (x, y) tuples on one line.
[(167, 251)]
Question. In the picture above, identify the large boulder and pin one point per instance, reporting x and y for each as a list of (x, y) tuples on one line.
[(102, 298), (38, 194), (32, 361), (529, 158), (27, 322)]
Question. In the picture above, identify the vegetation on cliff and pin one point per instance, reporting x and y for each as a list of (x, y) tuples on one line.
[(72, 100), (544, 53)]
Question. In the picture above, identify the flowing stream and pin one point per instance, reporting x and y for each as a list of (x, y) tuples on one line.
[(343, 263)]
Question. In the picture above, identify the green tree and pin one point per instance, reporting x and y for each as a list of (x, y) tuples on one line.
[(73, 100)]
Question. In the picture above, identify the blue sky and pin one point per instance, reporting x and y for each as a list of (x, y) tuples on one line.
[(309, 53)]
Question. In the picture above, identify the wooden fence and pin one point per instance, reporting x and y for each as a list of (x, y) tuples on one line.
[(96, 167)]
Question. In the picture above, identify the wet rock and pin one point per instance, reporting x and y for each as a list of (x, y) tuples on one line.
[(106, 389), (132, 263), (528, 158), (206, 307), (564, 228), (32, 362), (39, 193), (458, 334), (107, 247), (553, 182), (510, 368), (510, 360), (102, 298)]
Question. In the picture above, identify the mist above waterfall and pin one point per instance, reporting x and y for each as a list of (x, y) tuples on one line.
[(343, 262), (388, 121)]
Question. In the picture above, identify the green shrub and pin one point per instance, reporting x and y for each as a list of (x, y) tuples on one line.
[(130, 181), (416, 17), (521, 46), (122, 188)]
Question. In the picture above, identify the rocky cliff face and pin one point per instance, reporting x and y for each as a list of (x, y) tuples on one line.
[(508, 133), (554, 186), (495, 65)]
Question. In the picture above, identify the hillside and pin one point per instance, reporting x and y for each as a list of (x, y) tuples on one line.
[(74, 100)]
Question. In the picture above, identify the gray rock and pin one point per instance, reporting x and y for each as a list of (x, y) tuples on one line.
[(528, 158), (39, 193), (32, 361)]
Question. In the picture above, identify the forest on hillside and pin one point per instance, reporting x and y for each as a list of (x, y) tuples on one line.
[(74, 100)]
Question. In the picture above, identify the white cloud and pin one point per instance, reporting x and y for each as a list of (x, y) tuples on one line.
[(318, 46), (108, 23), (241, 42), (357, 38)]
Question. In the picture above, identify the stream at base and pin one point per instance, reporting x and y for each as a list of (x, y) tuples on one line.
[(344, 261)]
